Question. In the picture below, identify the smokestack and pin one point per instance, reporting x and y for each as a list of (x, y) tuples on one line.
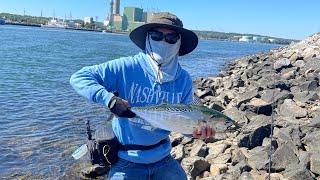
[(110, 16), (111, 7), (117, 7)]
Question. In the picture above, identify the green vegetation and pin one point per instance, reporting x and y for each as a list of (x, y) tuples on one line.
[(30, 19), (236, 37), (25, 19), (202, 34)]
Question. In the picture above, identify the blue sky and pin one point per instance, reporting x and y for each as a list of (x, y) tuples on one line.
[(295, 19)]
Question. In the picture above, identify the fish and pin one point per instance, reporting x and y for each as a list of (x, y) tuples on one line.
[(184, 118)]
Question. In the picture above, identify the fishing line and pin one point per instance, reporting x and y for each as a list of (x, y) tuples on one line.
[(272, 122)]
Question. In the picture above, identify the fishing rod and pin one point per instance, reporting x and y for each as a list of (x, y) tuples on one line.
[(272, 122), (110, 117), (89, 130)]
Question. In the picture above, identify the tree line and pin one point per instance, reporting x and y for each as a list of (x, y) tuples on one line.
[(236, 36), (201, 34)]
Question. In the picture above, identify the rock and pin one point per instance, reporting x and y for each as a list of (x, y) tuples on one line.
[(315, 163), (309, 53), (238, 83), (247, 96), (276, 95), (257, 106), (311, 140), (237, 115), (246, 176), (283, 157), (255, 138), (288, 75), (299, 63), (289, 108), (175, 138), (178, 152), (94, 171), (258, 158), (220, 159), (301, 96), (309, 86), (314, 123), (295, 89), (313, 64), (238, 169), (257, 175), (312, 97), (283, 63), (204, 93), (297, 171), (304, 158), (214, 149), (247, 91), (194, 166), (198, 149), (291, 136), (288, 54), (315, 112), (216, 169), (227, 84), (257, 121), (218, 106), (240, 154), (275, 176)]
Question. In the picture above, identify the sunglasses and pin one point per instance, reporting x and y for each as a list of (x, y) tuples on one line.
[(170, 38)]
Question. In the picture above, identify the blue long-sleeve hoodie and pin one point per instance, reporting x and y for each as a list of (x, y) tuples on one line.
[(135, 81)]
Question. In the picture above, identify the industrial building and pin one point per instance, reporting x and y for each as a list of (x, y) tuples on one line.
[(132, 18), (88, 20), (259, 39)]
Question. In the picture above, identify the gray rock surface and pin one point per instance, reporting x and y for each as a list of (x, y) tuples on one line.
[(280, 86)]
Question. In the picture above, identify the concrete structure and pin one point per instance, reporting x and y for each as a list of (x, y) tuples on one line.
[(246, 39), (147, 16), (88, 20), (106, 23), (132, 18), (133, 14), (256, 38), (118, 22), (132, 25), (272, 40), (109, 21), (78, 25), (116, 7)]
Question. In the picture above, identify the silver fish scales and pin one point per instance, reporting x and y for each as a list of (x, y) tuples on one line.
[(183, 118)]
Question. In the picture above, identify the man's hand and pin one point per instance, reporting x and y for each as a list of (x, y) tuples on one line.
[(120, 107), (205, 132)]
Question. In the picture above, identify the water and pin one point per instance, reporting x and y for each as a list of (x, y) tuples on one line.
[(42, 119)]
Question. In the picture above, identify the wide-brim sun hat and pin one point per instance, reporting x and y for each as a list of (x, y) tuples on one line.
[(189, 40)]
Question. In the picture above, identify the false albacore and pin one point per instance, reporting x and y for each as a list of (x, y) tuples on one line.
[(183, 118)]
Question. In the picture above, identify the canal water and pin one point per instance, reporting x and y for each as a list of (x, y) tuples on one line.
[(42, 119)]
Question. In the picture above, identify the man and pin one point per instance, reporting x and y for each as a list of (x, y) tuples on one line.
[(148, 78)]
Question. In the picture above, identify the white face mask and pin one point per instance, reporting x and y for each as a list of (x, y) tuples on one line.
[(163, 59), (161, 51)]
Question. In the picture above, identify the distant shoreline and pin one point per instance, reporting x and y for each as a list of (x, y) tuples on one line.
[(79, 29), (199, 33)]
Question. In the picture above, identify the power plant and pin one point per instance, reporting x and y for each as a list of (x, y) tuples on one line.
[(132, 18), (116, 7)]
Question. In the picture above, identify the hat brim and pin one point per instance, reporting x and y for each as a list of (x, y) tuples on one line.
[(189, 40)]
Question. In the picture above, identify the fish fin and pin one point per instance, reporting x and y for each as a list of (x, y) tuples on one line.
[(196, 100)]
